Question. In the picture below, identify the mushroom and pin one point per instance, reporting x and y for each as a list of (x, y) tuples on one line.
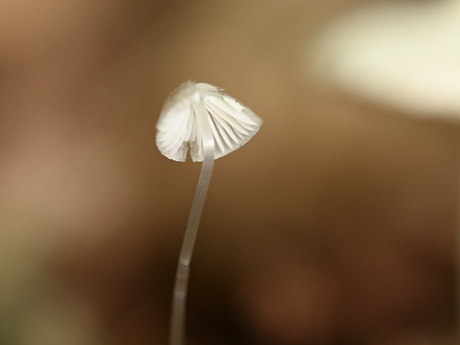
[(213, 124)]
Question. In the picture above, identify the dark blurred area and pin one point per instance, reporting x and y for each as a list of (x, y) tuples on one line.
[(335, 225)]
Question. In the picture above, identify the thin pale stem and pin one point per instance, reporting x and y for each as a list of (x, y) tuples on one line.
[(177, 336)]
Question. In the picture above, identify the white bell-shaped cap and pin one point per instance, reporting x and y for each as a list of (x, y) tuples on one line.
[(231, 122)]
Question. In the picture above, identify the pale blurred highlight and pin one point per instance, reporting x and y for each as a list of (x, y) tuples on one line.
[(404, 54)]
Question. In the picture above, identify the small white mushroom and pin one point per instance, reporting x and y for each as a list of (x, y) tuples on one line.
[(212, 124), (232, 123)]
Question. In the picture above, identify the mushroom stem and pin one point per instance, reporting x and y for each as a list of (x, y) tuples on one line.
[(177, 335)]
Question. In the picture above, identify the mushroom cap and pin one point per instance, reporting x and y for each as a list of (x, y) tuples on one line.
[(231, 122)]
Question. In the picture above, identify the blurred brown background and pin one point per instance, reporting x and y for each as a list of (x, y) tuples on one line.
[(335, 225)]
